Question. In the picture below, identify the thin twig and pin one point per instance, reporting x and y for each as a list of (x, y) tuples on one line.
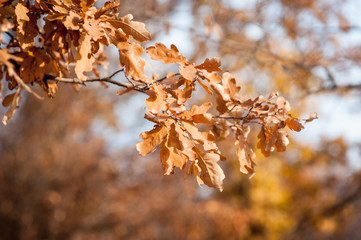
[(334, 88), (145, 88), (116, 72), (105, 79)]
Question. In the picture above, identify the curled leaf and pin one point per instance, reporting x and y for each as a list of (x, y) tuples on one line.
[(15, 99), (244, 151), (151, 139), (133, 28), (129, 57), (210, 172), (8, 99), (84, 58), (211, 65), (162, 53), (312, 117), (294, 124)]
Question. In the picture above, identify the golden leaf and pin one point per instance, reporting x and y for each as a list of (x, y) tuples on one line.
[(200, 115), (263, 138), (162, 53), (210, 172), (52, 89), (281, 140), (243, 150), (211, 65), (271, 139), (129, 56), (230, 85), (107, 7), (84, 58), (21, 14), (212, 77), (294, 124), (151, 139), (312, 117), (197, 110), (72, 21), (156, 101), (189, 72), (26, 29), (133, 28), (171, 152), (206, 139)]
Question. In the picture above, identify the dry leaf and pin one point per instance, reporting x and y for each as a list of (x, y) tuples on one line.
[(52, 89), (203, 138), (312, 117), (282, 140), (156, 101), (244, 151), (211, 65), (107, 7), (8, 100), (84, 58), (212, 77), (262, 142), (272, 138), (162, 53), (210, 172), (171, 152), (129, 57), (151, 139), (230, 85), (294, 124), (188, 72), (72, 20), (26, 29), (14, 105), (135, 29)]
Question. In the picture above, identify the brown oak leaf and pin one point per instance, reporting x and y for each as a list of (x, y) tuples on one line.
[(133, 28), (162, 53), (129, 56), (212, 77), (206, 139), (210, 172), (230, 85), (243, 150), (84, 58), (312, 117), (211, 65), (198, 114), (107, 7), (156, 101), (151, 139), (294, 124), (189, 72), (272, 138), (26, 29), (172, 152), (15, 99)]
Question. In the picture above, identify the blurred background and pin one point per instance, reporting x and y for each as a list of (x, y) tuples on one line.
[(69, 168)]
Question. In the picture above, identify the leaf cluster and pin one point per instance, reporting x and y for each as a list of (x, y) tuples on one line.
[(63, 41)]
